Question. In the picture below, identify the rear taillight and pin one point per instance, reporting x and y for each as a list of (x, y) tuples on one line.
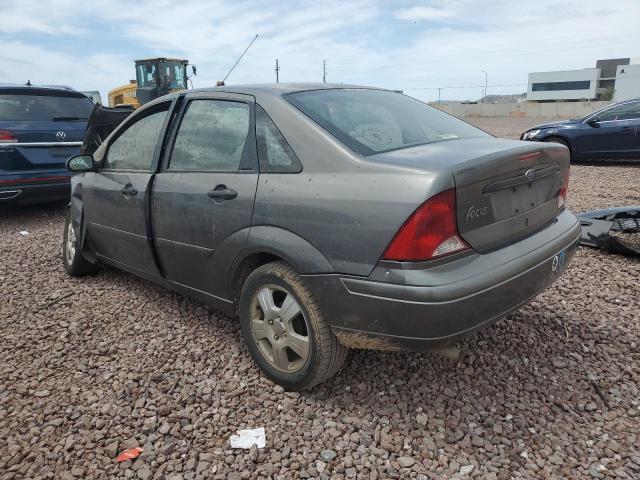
[(430, 232), (6, 136), (564, 191)]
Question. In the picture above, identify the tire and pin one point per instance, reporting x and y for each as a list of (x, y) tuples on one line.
[(295, 320), (561, 141), (74, 262)]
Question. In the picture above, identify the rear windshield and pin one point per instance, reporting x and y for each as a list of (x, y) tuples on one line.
[(44, 107), (376, 121)]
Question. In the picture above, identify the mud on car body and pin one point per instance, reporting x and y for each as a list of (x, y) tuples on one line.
[(325, 216)]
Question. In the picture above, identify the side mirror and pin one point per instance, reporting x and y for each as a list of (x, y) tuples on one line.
[(593, 122), (193, 69), (81, 163)]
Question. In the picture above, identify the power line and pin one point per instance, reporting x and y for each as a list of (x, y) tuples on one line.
[(503, 52)]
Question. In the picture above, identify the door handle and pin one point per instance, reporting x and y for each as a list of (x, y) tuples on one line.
[(221, 192), (626, 129), (129, 190)]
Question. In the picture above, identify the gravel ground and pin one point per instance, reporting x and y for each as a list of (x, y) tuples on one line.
[(90, 367)]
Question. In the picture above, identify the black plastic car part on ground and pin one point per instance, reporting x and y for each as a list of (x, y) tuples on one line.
[(616, 230)]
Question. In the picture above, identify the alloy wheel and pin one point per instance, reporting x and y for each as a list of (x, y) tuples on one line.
[(280, 328), (71, 244)]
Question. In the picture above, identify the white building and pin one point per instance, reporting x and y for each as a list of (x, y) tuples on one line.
[(564, 85), (627, 82), (618, 75)]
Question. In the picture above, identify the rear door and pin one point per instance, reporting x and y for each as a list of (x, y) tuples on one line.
[(202, 200), (115, 197)]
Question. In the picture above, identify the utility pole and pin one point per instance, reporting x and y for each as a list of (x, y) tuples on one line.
[(485, 86), (324, 71), (277, 70), (439, 88)]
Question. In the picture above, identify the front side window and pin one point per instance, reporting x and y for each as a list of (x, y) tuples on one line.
[(133, 149), (275, 154), (628, 111), (212, 136), (375, 121)]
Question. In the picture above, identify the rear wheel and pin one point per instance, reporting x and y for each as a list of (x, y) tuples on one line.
[(285, 331), (561, 141), (74, 263)]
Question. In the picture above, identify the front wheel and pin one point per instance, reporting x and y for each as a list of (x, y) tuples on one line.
[(74, 263), (284, 329)]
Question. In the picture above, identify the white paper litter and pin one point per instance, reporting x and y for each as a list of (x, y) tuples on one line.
[(247, 438), (24, 232)]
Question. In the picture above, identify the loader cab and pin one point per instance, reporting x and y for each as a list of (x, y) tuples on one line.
[(159, 76)]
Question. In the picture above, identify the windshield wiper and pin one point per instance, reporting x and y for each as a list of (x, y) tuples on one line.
[(62, 119)]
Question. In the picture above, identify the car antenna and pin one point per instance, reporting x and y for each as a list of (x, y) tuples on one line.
[(221, 83)]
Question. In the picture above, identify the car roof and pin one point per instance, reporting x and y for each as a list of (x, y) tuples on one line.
[(279, 89), (9, 88)]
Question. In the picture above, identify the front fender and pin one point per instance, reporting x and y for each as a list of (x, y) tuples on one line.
[(76, 206)]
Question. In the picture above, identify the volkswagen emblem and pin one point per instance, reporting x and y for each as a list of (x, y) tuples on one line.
[(61, 136), (530, 173)]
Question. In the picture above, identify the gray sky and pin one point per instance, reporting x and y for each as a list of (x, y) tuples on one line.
[(414, 46)]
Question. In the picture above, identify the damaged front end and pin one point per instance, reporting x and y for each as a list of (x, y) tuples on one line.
[(613, 229)]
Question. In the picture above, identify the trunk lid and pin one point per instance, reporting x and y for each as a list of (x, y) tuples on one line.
[(506, 190), (39, 147)]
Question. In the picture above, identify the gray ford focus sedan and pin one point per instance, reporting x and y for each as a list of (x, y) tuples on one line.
[(326, 217)]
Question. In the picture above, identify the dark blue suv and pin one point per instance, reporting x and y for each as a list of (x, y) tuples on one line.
[(611, 132), (40, 127)]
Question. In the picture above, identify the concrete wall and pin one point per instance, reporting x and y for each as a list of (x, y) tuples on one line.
[(627, 83), (586, 74), (522, 110)]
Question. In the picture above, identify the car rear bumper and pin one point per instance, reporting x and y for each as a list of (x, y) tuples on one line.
[(434, 306), (35, 188)]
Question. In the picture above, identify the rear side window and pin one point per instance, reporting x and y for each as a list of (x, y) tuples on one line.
[(212, 136), (133, 149), (374, 121), (275, 154), (28, 108)]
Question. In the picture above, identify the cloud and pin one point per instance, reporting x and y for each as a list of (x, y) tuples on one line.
[(415, 14), (92, 45)]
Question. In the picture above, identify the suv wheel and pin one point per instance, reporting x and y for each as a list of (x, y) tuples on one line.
[(285, 331), (74, 263)]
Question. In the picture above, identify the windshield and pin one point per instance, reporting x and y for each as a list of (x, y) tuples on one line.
[(376, 121), (28, 107)]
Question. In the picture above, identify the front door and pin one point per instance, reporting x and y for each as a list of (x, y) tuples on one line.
[(202, 199), (114, 196), (616, 134)]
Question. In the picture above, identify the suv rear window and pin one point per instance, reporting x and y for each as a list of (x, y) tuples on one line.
[(375, 121), (29, 107)]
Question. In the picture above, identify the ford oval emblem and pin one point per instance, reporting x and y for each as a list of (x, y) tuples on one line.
[(530, 173)]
